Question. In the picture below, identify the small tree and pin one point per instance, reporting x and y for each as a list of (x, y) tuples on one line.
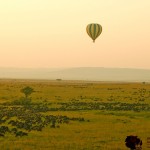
[(27, 91)]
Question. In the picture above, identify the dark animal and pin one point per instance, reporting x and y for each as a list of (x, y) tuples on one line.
[(133, 142), (21, 133), (14, 130), (4, 129), (1, 134)]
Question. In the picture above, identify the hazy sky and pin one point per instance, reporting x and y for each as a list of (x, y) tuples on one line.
[(52, 33)]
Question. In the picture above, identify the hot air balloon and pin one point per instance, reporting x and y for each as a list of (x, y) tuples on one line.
[(94, 30)]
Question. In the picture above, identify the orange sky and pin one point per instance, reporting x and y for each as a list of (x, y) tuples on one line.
[(46, 33)]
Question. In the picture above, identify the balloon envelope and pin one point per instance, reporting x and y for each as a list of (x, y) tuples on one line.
[(94, 30)]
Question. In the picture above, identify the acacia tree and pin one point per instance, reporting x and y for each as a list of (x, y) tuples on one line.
[(27, 91)]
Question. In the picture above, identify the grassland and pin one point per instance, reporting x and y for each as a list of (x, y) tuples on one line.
[(73, 115)]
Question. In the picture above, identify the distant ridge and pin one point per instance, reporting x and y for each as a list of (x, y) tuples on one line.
[(81, 73)]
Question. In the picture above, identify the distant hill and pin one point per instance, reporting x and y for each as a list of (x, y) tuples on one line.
[(82, 73)]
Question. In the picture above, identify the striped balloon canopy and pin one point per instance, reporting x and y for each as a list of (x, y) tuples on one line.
[(94, 30)]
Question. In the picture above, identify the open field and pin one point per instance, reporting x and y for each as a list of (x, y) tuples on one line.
[(73, 115)]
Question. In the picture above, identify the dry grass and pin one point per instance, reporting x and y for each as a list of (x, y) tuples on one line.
[(104, 130)]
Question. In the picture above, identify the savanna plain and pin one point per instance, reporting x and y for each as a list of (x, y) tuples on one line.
[(72, 115)]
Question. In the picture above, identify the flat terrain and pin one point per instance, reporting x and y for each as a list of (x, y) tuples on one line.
[(73, 115)]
